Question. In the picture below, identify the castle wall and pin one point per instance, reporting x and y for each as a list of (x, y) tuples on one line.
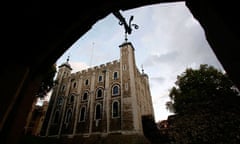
[(110, 98)]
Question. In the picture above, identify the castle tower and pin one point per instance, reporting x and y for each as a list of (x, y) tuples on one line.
[(108, 99), (131, 118), (57, 100), (64, 71)]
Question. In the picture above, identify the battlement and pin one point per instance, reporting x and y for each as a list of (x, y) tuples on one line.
[(73, 74), (106, 87), (102, 66)]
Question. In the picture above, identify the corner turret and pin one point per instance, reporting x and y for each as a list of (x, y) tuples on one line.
[(64, 70)]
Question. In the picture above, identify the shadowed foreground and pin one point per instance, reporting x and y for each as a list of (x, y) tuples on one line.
[(94, 139)]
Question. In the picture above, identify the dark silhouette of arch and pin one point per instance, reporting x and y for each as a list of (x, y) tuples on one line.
[(41, 37)]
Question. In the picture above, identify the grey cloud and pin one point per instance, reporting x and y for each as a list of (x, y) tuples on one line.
[(158, 79), (154, 59)]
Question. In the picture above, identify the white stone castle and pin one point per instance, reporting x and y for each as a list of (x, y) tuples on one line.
[(108, 99)]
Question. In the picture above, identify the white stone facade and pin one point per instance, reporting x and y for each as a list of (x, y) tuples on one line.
[(110, 98)]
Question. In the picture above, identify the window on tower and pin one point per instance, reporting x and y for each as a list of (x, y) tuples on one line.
[(85, 96), (71, 100), (116, 90), (56, 117), (98, 112), (100, 78), (82, 114), (99, 93), (86, 82), (115, 75), (124, 67), (63, 87), (126, 86), (74, 85), (60, 101), (115, 109), (68, 116)]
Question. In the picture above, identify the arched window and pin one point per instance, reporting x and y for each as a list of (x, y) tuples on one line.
[(98, 111), (82, 114), (74, 85), (71, 100), (99, 93), (63, 87), (60, 101), (100, 79), (68, 116), (115, 90), (86, 82), (85, 96), (56, 117), (115, 109)]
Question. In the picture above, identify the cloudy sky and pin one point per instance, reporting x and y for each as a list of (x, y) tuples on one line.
[(168, 41)]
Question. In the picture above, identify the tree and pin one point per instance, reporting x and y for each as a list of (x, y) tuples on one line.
[(169, 106), (207, 108), (151, 131), (47, 82), (203, 86)]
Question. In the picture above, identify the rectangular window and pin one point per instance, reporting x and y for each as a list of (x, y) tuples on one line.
[(86, 82), (100, 78), (63, 87), (85, 96), (115, 90), (74, 85), (124, 67), (115, 109), (98, 112), (82, 114), (126, 86), (115, 75)]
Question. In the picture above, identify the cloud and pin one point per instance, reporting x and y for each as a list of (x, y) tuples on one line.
[(155, 58), (78, 66), (157, 79), (168, 41)]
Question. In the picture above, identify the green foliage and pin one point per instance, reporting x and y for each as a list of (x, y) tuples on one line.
[(151, 131), (47, 82), (200, 87), (206, 126), (207, 106)]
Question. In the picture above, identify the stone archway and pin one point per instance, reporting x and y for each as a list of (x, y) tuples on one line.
[(36, 34)]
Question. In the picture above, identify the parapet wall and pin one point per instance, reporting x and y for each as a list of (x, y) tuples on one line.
[(95, 68)]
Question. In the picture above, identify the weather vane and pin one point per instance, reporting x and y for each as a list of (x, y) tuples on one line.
[(122, 21)]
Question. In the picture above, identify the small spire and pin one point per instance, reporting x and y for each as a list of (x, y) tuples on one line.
[(142, 69), (66, 64), (126, 39), (67, 59)]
